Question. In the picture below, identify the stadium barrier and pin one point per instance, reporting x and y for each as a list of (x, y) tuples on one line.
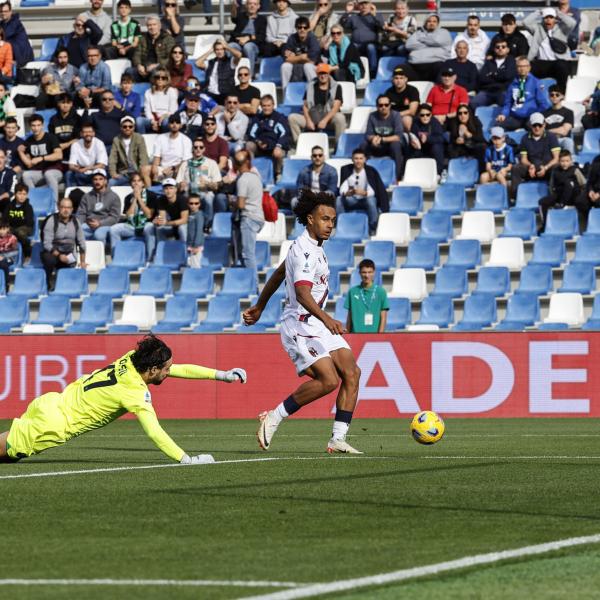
[(541, 374)]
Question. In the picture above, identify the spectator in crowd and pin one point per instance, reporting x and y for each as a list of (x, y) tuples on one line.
[(560, 119), (322, 20), (7, 182), (195, 233), (428, 48), (41, 156), (564, 6), (566, 184), (344, 58), (517, 42), (215, 146), (125, 33), (427, 137), (590, 196), (173, 213), (10, 145), (318, 176), (385, 134), (365, 26), (107, 121), (477, 40), (538, 154), (101, 19), (160, 102), (367, 303), (280, 25), (126, 100), (170, 150), (59, 77), (61, 237), (190, 115), (77, 43), (139, 209), (220, 70), (466, 71), (301, 53), (232, 123), (88, 154), (247, 207), (466, 136), (6, 60), (524, 96), (495, 75), (249, 34), (591, 119), (94, 79), (248, 95), (172, 23), (499, 159), (9, 250), (15, 34), (179, 70), (201, 176), (7, 106), (19, 216), (321, 106), (404, 97), (269, 133), (397, 29), (362, 189), (99, 209), (128, 156), (153, 51), (446, 96), (549, 51)]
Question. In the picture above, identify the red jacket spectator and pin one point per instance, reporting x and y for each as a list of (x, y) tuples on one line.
[(446, 96)]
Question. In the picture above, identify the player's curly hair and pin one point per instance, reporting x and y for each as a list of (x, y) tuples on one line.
[(309, 201), (151, 352)]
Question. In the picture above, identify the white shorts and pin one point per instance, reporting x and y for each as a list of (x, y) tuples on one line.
[(306, 342)]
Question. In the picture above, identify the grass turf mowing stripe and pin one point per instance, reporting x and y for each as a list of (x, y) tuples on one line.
[(150, 582), (415, 572)]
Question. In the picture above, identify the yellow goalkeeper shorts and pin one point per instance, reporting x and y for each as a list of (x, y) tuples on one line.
[(40, 427)]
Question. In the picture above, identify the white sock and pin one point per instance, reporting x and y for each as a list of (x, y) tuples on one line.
[(340, 429), (280, 413)]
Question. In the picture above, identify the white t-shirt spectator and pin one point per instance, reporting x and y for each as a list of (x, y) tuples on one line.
[(162, 104), (172, 150), (86, 157)]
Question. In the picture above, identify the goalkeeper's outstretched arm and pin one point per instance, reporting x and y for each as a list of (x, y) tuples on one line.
[(198, 372)]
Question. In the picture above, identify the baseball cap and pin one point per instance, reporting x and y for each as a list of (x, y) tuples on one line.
[(192, 95), (536, 118), (548, 12), (210, 119), (323, 68), (497, 132), (99, 172), (127, 119), (448, 71), (400, 71), (169, 181), (508, 18)]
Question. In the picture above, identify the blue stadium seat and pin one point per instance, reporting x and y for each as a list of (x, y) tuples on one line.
[(215, 254), (594, 321), (297, 230), (180, 311), (382, 253), (46, 114), (408, 199), (18, 260), (293, 98), (386, 169), (562, 223), (591, 146), (347, 143), (197, 71), (422, 254), (223, 311), (374, 89), (450, 281), (49, 45), (464, 253), (386, 66), (289, 174), (340, 313), (334, 284), (491, 196), (578, 277), (535, 279), (436, 226), (80, 328), (355, 278), (2, 283), (587, 250), (271, 315), (141, 88), (54, 310), (71, 283), (516, 136), (270, 69), (399, 315), (96, 311), (130, 255), (352, 226), (463, 171), (29, 283), (552, 326), (522, 310), (14, 311), (238, 282), (171, 254), (112, 282), (450, 198), (493, 280), (487, 115), (256, 328), (436, 310), (340, 253), (263, 255), (35, 262), (113, 328), (42, 201), (221, 226), (197, 283), (548, 251), (519, 222), (529, 194), (479, 312), (264, 166), (155, 281), (593, 226)]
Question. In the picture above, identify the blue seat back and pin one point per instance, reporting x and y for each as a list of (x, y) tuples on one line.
[(579, 277), (450, 198), (129, 254), (422, 253), (223, 310), (340, 253), (436, 226), (196, 282), (171, 253), (491, 196), (493, 280), (49, 45), (399, 314), (181, 309), (386, 66), (535, 279), (239, 282), (516, 136), (42, 201), (562, 223), (386, 169), (141, 88), (54, 310), (96, 310), (155, 281), (548, 251), (294, 93), (524, 308), (347, 143), (591, 140), (464, 253), (29, 283), (519, 222), (487, 115), (352, 226), (480, 309), (35, 262), (450, 281), (529, 194), (81, 328), (587, 250), (123, 328), (436, 310), (291, 170), (408, 199), (382, 253), (215, 254), (263, 254), (264, 166), (113, 282), (270, 69), (271, 315), (374, 89), (593, 225), (221, 226), (71, 282), (464, 171), (13, 311), (340, 312)]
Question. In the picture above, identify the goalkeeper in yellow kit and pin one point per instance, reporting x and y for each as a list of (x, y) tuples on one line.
[(95, 400)]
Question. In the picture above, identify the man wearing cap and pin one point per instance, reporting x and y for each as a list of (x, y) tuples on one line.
[(445, 97), (232, 123), (128, 155), (466, 71), (190, 115), (173, 214), (499, 159), (517, 42), (403, 96), (107, 120), (538, 154), (248, 95), (216, 147), (495, 75), (65, 124), (549, 50), (560, 119), (321, 106), (477, 40), (428, 48), (280, 25), (301, 53), (98, 209), (88, 155), (170, 150)]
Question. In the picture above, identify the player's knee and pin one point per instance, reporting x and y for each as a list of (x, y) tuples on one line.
[(351, 375), (329, 383)]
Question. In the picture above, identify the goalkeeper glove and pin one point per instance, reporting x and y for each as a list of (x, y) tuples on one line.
[(232, 375), (199, 459)]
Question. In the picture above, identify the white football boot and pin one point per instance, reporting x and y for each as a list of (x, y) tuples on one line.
[(266, 431), (342, 447)]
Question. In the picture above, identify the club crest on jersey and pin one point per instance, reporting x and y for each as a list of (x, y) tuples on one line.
[(148, 397), (306, 268), (306, 255), (313, 352)]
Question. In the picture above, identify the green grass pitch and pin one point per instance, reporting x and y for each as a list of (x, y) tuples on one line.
[(489, 485)]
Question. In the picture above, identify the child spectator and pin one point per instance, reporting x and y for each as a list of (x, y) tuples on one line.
[(591, 119), (499, 159), (19, 216), (125, 33), (126, 100), (8, 251), (195, 233)]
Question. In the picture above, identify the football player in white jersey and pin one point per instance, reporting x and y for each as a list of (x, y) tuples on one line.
[(312, 339)]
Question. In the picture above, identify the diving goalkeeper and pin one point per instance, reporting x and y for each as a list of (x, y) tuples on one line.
[(95, 400)]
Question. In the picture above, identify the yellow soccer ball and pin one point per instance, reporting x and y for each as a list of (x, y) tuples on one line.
[(427, 427)]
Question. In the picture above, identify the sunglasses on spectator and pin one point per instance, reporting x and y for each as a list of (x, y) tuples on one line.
[(463, 112), (107, 98), (302, 27), (501, 46), (383, 104), (177, 52), (317, 155), (161, 77), (127, 126), (198, 147), (537, 125), (193, 203), (424, 114), (243, 74), (555, 94), (336, 33), (232, 101), (324, 4), (170, 5)]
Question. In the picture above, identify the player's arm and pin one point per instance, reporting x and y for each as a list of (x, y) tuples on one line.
[(198, 372), (252, 314), (149, 422), (305, 298)]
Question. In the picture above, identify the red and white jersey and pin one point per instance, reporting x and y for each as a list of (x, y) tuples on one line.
[(305, 264)]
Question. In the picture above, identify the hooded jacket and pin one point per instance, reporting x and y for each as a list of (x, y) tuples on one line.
[(429, 46), (522, 105), (280, 27), (564, 26)]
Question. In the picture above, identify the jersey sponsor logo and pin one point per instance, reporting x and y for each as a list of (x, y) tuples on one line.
[(147, 397)]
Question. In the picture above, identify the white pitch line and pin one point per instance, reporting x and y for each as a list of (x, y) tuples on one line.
[(151, 582), (395, 576), (542, 457)]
